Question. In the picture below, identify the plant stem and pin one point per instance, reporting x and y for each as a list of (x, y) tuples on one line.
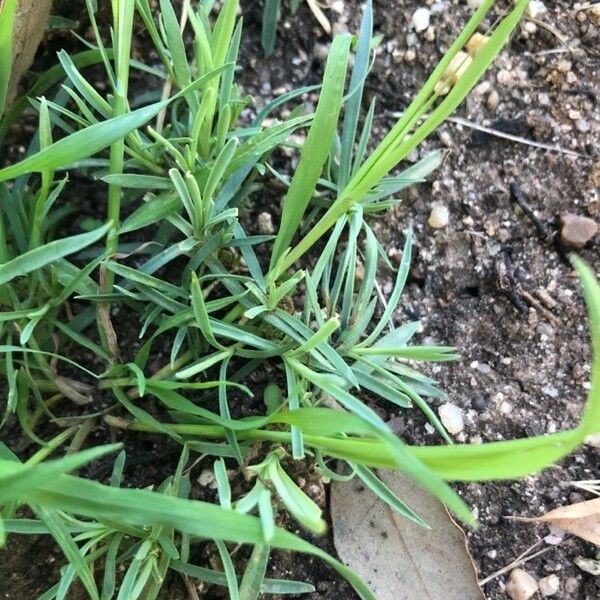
[(123, 15)]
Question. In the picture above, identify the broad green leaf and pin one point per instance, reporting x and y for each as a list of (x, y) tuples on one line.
[(83, 143), (175, 43)]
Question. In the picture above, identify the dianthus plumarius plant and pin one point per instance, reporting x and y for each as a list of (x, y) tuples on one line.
[(253, 349)]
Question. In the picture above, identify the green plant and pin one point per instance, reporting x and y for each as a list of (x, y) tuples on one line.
[(220, 311)]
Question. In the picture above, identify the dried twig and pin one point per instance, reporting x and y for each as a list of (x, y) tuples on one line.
[(516, 138), (521, 559)]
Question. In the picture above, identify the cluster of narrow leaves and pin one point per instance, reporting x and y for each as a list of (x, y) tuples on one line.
[(175, 250)]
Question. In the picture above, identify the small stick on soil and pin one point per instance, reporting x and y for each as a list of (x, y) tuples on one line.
[(523, 558), (516, 138), (190, 587), (561, 38), (507, 136), (539, 307), (518, 196), (506, 282)]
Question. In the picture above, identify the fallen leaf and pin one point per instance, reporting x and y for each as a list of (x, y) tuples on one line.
[(399, 559), (581, 519)]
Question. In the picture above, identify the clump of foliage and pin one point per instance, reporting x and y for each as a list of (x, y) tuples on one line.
[(265, 362)]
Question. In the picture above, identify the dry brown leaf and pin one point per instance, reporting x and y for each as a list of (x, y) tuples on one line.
[(399, 559), (581, 519), (30, 25)]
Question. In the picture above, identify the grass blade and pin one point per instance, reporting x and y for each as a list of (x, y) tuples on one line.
[(316, 147), (42, 256)]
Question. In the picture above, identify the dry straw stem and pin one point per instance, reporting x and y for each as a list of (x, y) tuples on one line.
[(29, 27)]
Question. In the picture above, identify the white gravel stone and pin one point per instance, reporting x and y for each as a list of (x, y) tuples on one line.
[(493, 100), (439, 216), (521, 585), (265, 223), (451, 417), (536, 9), (549, 585), (420, 19), (207, 479), (474, 4)]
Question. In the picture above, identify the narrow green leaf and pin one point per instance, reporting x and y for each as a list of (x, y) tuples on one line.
[(40, 257), (590, 423), (97, 137), (270, 19), (175, 43), (63, 538), (316, 147), (254, 575)]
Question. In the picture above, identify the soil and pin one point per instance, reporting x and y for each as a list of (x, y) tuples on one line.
[(494, 282)]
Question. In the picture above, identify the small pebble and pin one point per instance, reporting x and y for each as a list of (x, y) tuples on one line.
[(535, 9), (483, 88), (588, 565), (207, 479), (420, 19), (521, 585), (582, 125), (576, 230), (321, 51), (338, 6), (439, 216), (549, 585), (551, 391), (554, 538), (493, 100), (505, 77), (543, 99), (265, 223), (474, 4), (571, 585), (451, 417)]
